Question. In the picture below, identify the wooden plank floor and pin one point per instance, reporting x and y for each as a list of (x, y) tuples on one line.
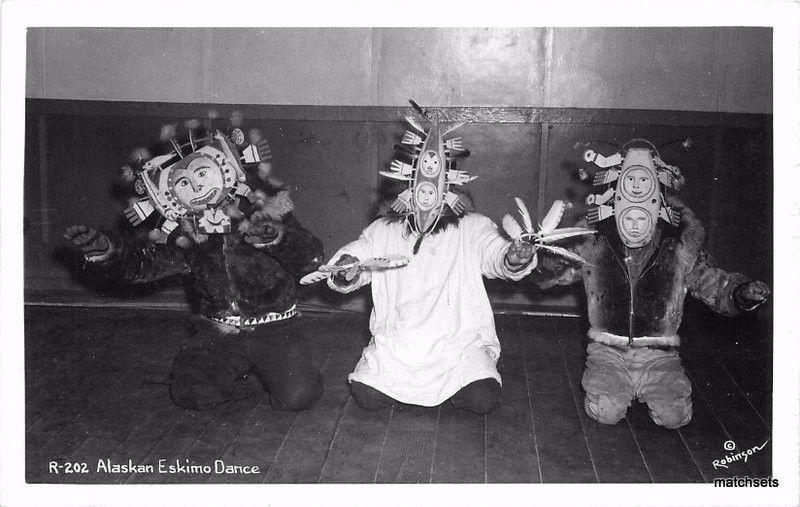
[(97, 389)]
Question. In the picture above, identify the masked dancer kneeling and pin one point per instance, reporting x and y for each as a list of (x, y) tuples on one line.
[(239, 250)]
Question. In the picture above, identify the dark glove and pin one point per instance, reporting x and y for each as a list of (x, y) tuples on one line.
[(94, 245), (751, 295), (344, 278), (262, 232)]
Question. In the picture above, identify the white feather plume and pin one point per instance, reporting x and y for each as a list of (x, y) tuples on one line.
[(237, 117), (316, 276), (457, 125), (127, 174), (553, 217), (559, 234), (564, 253), (139, 155), (384, 262), (512, 227), (168, 131), (526, 217), (411, 121), (372, 264)]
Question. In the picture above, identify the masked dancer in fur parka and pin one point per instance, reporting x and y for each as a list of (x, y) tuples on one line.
[(648, 254), (240, 251)]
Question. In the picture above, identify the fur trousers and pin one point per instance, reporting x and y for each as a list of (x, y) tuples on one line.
[(614, 378)]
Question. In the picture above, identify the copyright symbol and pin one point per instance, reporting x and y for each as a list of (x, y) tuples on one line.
[(729, 445)]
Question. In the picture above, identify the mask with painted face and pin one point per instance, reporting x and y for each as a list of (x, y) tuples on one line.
[(635, 226), (634, 196), (429, 173), (197, 186), (638, 199), (197, 182)]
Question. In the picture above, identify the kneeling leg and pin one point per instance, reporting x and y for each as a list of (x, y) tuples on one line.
[(607, 384), (368, 397), (667, 391), (479, 397), (282, 360)]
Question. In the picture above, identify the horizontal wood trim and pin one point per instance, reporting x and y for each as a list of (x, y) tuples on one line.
[(393, 114)]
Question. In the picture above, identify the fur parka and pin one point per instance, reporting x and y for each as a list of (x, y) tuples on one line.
[(651, 304), (225, 275)]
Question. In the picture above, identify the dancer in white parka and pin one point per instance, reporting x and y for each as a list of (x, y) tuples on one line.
[(433, 333)]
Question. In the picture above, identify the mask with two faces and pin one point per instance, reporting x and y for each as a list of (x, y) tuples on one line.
[(429, 174), (634, 196)]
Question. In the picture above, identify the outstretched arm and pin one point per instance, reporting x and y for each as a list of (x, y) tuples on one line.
[(725, 293), (499, 257), (296, 249), (360, 249), (553, 270), (117, 259)]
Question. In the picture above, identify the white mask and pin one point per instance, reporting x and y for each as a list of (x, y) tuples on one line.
[(636, 201), (429, 175)]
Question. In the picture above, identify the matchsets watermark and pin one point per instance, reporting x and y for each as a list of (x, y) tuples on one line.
[(745, 482), (743, 455)]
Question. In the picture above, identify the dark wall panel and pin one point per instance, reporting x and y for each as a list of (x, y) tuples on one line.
[(740, 228), (84, 157), (35, 224), (327, 166), (505, 158)]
